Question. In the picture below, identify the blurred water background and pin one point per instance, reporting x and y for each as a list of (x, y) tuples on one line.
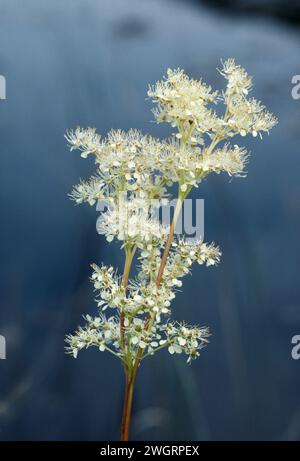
[(89, 62)]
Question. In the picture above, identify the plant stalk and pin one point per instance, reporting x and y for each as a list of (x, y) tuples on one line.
[(127, 407), (169, 241), (131, 376), (129, 253)]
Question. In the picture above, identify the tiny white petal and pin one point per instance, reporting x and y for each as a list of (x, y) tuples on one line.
[(183, 187), (171, 350)]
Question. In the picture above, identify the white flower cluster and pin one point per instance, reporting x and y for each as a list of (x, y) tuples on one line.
[(189, 169), (231, 160), (132, 170), (145, 297), (108, 285), (183, 101), (239, 82), (101, 332), (125, 162), (85, 140), (177, 337), (196, 251), (104, 333), (89, 191), (138, 299), (182, 255), (243, 115), (132, 221), (144, 167), (182, 338)]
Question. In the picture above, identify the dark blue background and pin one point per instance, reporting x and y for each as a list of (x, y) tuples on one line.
[(89, 62)]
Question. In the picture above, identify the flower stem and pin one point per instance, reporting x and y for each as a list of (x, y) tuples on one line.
[(129, 381), (130, 377), (169, 241), (128, 395), (129, 253)]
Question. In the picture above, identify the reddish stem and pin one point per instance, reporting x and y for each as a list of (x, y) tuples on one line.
[(130, 379)]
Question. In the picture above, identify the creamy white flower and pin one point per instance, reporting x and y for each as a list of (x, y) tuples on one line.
[(182, 100), (229, 160), (239, 82), (248, 116), (101, 332), (132, 221), (133, 169), (186, 339), (86, 140), (90, 191)]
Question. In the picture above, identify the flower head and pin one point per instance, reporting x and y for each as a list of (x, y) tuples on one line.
[(183, 101), (134, 174)]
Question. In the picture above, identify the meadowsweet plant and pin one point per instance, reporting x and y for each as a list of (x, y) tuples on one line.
[(135, 316)]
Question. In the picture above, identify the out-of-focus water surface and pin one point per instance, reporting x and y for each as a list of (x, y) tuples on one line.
[(287, 10), (89, 62)]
